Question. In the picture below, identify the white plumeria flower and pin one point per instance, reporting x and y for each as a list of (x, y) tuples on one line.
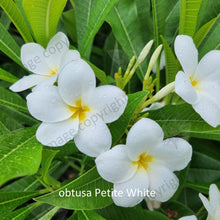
[(213, 204), (77, 109), (199, 84), (191, 217), (44, 63), (146, 162)]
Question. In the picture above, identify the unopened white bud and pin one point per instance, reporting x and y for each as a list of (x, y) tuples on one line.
[(145, 51)]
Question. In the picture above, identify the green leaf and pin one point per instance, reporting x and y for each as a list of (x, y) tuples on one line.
[(88, 215), (145, 18), (203, 31), (183, 120), (16, 17), (20, 154), (6, 76), (118, 127), (10, 99), (43, 16), (47, 157), (119, 213), (11, 200), (87, 183), (3, 129), (5, 20), (8, 45), (200, 187), (188, 16), (70, 24), (172, 64), (127, 30), (211, 41), (90, 15), (49, 214)]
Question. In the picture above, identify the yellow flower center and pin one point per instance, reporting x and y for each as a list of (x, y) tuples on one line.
[(79, 111), (143, 161), (53, 71), (194, 82)]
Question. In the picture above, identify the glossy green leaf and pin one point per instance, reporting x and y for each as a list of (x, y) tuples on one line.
[(88, 215), (12, 100), (203, 31), (5, 20), (118, 127), (16, 17), (8, 45), (11, 200), (119, 213), (127, 30), (87, 183), (20, 154), (43, 16), (183, 120), (188, 16), (6, 76), (212, 40), (172, 64), (90, 15)]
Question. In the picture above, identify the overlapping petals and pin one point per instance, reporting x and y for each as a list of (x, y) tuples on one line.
[(76, 109), (213, 204), (45, 64), (199, 84), (145, 162)]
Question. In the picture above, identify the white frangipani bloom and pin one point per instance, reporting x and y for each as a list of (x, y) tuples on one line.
[(191, 217), (77, 109), (199, 84), (44, 63), (213, 204), (146, 162)]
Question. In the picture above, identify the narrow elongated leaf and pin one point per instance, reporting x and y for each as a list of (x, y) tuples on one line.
[(88, 183), (50, 214), (183, 120), (6, 76), (10, 99), (43, 16), (188, 16), (3, 129), (8, 46), (212, 40), (16, 17), (203, 31), (118, 127), (172, 64), (119, 213), (20, 154), (126, 29), (88, 215), (90, 15), (5, 20), (200, 187), (11, 200)]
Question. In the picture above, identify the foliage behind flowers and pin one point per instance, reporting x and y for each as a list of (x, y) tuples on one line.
[(92, 126)]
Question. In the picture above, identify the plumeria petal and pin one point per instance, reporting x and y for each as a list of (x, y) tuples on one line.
[(208, 109), (174, 153), (68, 57), (75, 79), (139, 182), (191, 217), (163, 182), (33, 58), (46, 105), (115, 166), (27, 82), (143, 136), (209, 65), (55, 50), (108, 101), (206, 203), (184, 88), (57, 134), (93, 137), (186, 53), (48, 82), (214, 196)]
